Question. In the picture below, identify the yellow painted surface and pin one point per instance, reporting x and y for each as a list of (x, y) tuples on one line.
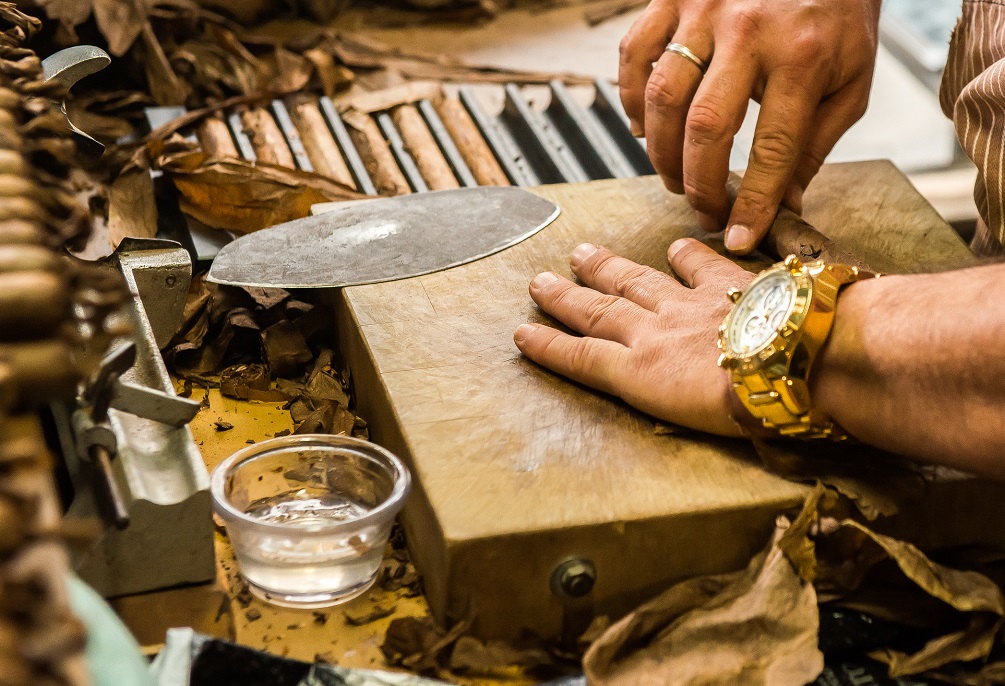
[(298, 634)]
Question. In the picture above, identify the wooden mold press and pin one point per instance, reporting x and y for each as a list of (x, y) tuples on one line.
[(517, 470)]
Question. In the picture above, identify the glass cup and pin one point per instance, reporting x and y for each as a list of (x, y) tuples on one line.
[(309, 515)]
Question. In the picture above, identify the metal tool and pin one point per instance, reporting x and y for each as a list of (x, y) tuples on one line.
[(68, 67), (131, 458), (384, 240)]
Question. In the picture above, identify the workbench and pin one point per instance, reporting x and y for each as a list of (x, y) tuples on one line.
[(516, 469)]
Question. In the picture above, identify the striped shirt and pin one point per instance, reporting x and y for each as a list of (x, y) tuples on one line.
[(973, 95)]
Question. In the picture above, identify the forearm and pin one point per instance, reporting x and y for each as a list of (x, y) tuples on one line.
[(916, 365)]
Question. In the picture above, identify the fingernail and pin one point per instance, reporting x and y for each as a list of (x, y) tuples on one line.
[(582, 253), (522, 332), (739, 238), (637, 130), (543, 279), (676, 246)]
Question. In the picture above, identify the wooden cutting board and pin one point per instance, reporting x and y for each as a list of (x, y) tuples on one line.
[(516, 469)]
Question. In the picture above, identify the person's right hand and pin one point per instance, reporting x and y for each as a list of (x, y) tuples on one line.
[(808, 62)]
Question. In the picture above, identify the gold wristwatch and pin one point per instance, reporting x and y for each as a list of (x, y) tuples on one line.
[(772, 336)]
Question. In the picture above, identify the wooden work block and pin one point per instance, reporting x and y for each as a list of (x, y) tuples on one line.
[(516, 468)]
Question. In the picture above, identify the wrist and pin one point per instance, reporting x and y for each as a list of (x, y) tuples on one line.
[(843, 362)]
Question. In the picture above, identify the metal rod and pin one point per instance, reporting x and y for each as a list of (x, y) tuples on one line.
[(510, 157), (401, 154), (291, 135), (240, 137), (608, 109), (598, 154), (545, 149), (363, 181), (446, 143), (107, 489)]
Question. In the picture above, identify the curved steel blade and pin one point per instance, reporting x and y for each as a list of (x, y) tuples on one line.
[(384, 240)]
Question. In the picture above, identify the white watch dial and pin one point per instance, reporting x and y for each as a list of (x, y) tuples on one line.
[(761, 312)]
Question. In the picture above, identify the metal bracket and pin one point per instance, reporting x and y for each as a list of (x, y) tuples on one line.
[(67, 67)]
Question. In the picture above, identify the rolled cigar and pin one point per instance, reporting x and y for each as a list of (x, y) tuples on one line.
[(9, 126), (12, 162), (376, 155), (14, 669), (21, 232), (423, 148), (21, 208), (9, 99), (790, 234), (28, 258), (215, 139), (319, 143), (473, 148), (12, 529), (22, 442), (32, 304), (12, 185), (39, 372), (266, 138)]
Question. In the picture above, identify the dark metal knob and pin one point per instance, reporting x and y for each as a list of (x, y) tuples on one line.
[(574, 577)]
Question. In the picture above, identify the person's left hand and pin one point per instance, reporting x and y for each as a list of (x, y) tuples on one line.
[(646, 338)]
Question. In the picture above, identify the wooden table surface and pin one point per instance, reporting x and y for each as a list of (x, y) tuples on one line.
[(516, 469)]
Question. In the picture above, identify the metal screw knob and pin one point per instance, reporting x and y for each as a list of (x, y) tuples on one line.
[(574, 577)]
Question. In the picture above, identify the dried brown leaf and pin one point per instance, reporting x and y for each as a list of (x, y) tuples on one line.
[(877, 482), (242, 196), (760, 623), (368, 616), (132, 209), (605, 10), (385, 99), (165, 86), (332, 77), (285, 348), (120, 22), (419, 643), (495, 658), (68, 12), (358, 52)]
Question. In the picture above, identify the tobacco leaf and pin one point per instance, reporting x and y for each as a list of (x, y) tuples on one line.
[(496, 659), (386, 98), (368, 616), (966, 592), (132, 209), (244, 196), (332, 77), (285, 348), (419, 643), (121, 21), (876, 481), (606, 10), (754, 626), (70, 13), (364, 53), (165, 86)]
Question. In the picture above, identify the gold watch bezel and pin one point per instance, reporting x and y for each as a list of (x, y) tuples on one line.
[(779, 348)]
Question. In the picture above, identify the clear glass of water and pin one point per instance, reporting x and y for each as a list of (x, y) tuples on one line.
[(309, 515)]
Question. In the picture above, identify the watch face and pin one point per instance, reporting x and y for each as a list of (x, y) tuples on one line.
[(761, 312)]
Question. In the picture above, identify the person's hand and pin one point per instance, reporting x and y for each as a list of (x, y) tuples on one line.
[(809, 64), (646, 338)]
